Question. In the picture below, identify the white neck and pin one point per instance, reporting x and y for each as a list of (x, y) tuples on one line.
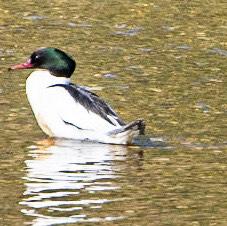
[(43, 78)]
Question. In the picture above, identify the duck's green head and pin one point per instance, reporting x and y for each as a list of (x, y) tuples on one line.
[(51, 59)]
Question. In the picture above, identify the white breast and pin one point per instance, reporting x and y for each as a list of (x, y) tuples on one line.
[(36, 85)]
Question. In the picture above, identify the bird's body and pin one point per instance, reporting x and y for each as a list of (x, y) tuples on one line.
[(65, 110)]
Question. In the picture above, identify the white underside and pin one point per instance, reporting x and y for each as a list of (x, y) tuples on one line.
[(52, 106)]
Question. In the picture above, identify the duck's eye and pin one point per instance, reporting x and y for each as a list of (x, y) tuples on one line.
[(36, 57)]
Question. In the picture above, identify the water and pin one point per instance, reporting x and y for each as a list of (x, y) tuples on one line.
[(164, 61), (66, 178)]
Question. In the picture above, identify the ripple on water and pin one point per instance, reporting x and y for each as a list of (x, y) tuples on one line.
[(126, 31), (219, 51), (68, 178), (34, 17)]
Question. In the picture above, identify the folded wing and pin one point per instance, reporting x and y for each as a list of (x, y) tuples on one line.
[(81, 108)]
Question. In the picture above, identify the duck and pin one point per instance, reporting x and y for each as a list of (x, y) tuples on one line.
[(66, 110)]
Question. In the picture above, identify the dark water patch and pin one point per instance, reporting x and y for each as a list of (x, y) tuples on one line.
[(168, 28), (34, 17), (128, 31), (184, 47), (145, 50), (110, 75), (79, 25), (203, 107), (218, 51), (146, 141), (217, 148), (135, 70)]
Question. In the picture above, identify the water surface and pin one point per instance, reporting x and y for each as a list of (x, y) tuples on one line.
[(164, 61)]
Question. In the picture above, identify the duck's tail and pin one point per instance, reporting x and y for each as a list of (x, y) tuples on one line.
[(125, 134)]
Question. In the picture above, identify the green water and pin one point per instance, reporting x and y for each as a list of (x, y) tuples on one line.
[(164, 61)]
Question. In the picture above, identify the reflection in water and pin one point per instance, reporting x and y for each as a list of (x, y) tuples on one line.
[(68, 178)]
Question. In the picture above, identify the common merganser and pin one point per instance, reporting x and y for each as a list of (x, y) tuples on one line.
[(65, 110)]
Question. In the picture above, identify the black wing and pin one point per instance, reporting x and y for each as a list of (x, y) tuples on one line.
[(91, 102)]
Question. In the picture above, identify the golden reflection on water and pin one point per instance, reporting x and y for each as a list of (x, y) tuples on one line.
[(164, 61)]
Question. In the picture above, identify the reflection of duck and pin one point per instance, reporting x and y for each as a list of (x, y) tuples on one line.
[(63, 109), (67, 177)]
